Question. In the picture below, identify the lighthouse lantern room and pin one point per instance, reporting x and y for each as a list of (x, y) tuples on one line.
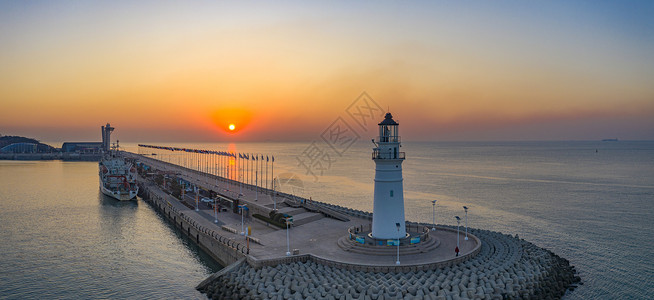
[(388, 207)]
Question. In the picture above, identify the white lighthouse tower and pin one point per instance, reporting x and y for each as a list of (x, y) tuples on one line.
[(388, 210)]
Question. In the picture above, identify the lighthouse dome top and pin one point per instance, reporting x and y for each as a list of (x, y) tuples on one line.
[(388, 120)]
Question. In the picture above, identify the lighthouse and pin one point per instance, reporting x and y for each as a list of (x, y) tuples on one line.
[(388, 209)]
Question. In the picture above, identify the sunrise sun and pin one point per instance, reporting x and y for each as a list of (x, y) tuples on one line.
[(232, 127)]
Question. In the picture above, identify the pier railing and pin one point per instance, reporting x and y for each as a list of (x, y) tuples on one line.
[(361, 235), (378, 154)]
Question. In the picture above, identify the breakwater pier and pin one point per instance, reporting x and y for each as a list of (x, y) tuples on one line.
[(327, 260), (51, 156)]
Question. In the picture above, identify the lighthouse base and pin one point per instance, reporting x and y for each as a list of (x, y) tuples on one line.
[(353, 246), (418, 239)]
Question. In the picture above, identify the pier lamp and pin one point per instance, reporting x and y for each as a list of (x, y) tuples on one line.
[(240, 182), (288, 244), (273, 196), (256, 186), (398, 243), (215, 211), (466, 209), (197, 199), (458, 222), (242, 213), (433, 217)]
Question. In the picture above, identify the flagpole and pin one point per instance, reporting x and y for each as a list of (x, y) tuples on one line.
[(273, 182), (251, 170), (256, 178), (266, 172), (233, 157), (252, 167)]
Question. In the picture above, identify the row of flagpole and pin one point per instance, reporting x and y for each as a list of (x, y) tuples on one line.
[(248, 168)]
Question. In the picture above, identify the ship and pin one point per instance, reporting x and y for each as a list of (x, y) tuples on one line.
[(117, 177)]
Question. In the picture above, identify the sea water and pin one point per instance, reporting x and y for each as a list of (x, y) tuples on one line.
[(63, 239), (590, 202)]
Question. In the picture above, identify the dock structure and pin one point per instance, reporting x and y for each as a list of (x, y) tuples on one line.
[(327, 263), (320, 230)]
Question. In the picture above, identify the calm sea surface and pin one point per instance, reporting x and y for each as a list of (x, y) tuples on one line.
[(590, 202), (62, 239)]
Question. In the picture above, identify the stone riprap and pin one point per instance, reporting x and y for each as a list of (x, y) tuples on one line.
[(506, 267)]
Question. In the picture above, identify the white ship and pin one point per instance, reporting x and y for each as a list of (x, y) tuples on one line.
[(117, 177)]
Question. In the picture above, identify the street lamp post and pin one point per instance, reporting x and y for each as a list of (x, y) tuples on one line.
[(288, 244), (274, 199), (215, 211), (466, 209), (458, 222), (242, 223), (197, 199), (398, 243), (240, 181), (433, 218)]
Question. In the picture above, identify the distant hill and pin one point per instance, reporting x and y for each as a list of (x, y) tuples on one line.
[(6, 140)]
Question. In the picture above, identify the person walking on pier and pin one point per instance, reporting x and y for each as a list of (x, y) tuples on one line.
[(456, 250)]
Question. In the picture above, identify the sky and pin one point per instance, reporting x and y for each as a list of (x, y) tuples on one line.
[(183, 71)]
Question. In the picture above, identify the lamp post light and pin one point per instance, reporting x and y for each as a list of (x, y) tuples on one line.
[(215, 211), (398, 243), (288, 244), (433, 218), (466, 209), (274, 199), (197, 199), (242, 214), (458, 222)]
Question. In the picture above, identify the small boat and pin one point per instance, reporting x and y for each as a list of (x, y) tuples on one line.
[(117, 177)]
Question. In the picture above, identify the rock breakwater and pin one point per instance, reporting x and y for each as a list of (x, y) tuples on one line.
[(506, 267)]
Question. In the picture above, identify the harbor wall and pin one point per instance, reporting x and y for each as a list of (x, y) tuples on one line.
[(224, 250), (506, 268), (51, 156)]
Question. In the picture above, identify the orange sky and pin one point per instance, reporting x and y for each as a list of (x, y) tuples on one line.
[(183, 72)]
